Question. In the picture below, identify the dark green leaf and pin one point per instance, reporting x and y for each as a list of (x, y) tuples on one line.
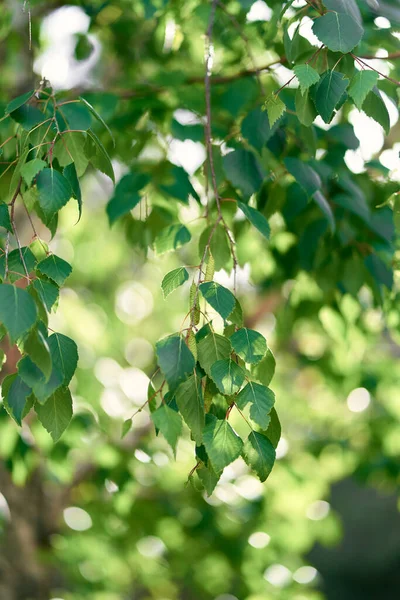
[(220, 298), (212, 348), (17, 311), (222, 444), (259, 454), (175, 360), (169, 422), (189, 397), (55, 268), (256, 218), (56, 414), (261, 399), (338, 31), (54, 191), (329, 91)]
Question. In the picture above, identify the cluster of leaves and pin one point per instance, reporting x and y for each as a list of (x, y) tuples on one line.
[(266, 157), (49, 147)]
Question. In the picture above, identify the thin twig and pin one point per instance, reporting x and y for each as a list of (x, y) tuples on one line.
[(12, 218)]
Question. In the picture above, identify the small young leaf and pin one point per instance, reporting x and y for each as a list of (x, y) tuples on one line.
[(220, 298), (169, 422), (275, 108), (306, 76), (55, 268), (222, 444), (56, 414), (259, 454), (227, 375), (250, 345), (30, 169), (173, 280), (360, 86), (126, 427)]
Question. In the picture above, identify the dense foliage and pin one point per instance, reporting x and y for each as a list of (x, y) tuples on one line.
[(269, 206)]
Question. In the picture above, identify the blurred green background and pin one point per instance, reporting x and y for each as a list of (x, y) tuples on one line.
[(103, 518)]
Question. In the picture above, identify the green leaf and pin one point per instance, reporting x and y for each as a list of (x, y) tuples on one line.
[(375, 108), (55, 268), (173, 280), (169, 422), (18, 101), (222, 444), (208, 478), (261, 398), (101, 159), (338, 31), (97, 117), (74, 116), (329, 92), (36, 345), (30, 169), (244, 171), (126, 427), (264, 370), (256, 128), (306, 75), (15, 394), (180, 188), (5, 220), (126, 195), (259, 454), (16, 269), (227, 375), (71, 176), (256, 218), (48, 292), (360, 86), (219, 246), (189, 397), (305, 108), (250, 345), (221, 299), (175, 360), (322, 202), (273, 432), (304, 175), (56, 414), (71, 148), (171, 238), (54, 191), (27, 116), (64, 353), (349, 7), (212, 348), (275, 108), (18, 311)]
